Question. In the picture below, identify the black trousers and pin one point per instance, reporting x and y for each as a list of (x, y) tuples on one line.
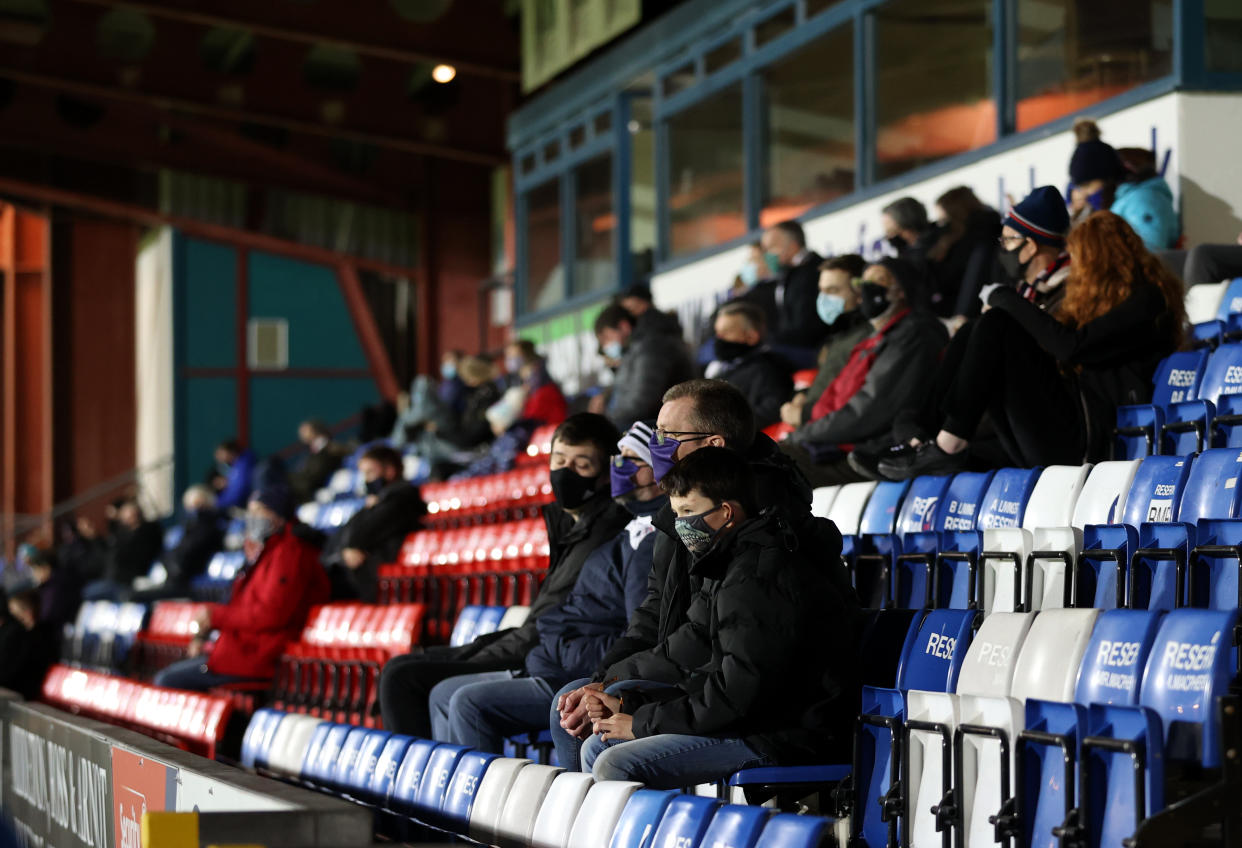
[(406, 682), (1001, 373)]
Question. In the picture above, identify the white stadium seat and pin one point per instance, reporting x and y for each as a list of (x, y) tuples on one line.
[(559, 809)]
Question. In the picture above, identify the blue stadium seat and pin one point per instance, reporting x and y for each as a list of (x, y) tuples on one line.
[(410, 776), (1157, 578), (343, 769), (256, 733), (640, 817), (1101, 573), (786, 830), (465, 626), (873, 548), (489, 620), (1138, 427), (459, 798), (319, 771), (846, 512), (384, 777), (953, 583), (428, 801), (1047, 750), (1189, 667), (735, 825), (1188, 425), (902, 571), (357, 784), (311, 758), (1227, 425), (1207, 334), (685, 821)]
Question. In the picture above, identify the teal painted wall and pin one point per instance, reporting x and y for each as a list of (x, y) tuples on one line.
[(205, 316)]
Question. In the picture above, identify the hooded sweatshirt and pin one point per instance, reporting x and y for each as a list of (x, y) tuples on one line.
[(1147, 206)]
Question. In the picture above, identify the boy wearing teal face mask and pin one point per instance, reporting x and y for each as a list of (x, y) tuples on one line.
[(734, 687)]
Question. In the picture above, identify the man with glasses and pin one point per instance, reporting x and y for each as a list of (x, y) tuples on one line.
[(482, 710), (695, 414)]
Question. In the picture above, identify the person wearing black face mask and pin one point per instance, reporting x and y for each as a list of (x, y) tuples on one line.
[(373, 536), (745, 362), (582, 518), (886, 371)]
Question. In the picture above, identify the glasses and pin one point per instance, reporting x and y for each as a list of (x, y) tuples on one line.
[(662, 436), (620, 461), (1004, 241)]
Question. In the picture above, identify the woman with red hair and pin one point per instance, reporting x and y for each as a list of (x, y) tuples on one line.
[(1049, 382)]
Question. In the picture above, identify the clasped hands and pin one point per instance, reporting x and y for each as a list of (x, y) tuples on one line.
[(590, 710)]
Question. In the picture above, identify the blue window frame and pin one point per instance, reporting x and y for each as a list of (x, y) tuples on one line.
[(709, 54)]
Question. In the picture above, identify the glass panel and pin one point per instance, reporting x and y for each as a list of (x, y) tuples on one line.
[(545, 276), (678, 80), (551, 151), (576, 136), (528, 163), (1224, 35), (594, 265), (809, 144), (775, 26), (814, 7), (705, 173), (719, 57), (1072, 54), (642, 187), (934, 93), (603, 123)]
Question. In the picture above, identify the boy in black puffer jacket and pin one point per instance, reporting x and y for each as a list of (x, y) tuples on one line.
[(762, 673)]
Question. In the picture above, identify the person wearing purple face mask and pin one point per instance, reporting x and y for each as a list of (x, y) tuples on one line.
[(696, 414)]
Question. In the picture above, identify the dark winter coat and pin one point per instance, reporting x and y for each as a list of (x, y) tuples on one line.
[(201, 539), (574, 636), (848, 330), (315, 472), (798, 323), (473, 429), (765, 378), (131, 553), (767, 653), (378, 531), (655, 360), (671, 586), (570, 543)]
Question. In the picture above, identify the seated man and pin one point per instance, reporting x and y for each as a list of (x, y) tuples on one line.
[(744, 361), (374, 535), (130, 550), (581, 519), (649, 360), (323, 458), (837, 307), (271, 598), (201, 537), (887, 371), (737, 685), (483, 709), (233, 475)]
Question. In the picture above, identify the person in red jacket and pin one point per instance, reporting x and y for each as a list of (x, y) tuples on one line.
[(271, 599)]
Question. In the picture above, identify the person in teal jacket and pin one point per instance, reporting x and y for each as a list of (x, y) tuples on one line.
[(1145, 201)]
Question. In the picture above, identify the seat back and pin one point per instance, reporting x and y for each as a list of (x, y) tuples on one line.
[(1005, 502), (522, 806), (463, 789), (255, 731), (848, 506), (786, 830), (1052, 652), (433, 788), (880, 515), (343, 768), (514, 616), (821, 500), (320, 771), (685, 821), (1156, 491), (736, 826), (559, 809), (885, 640), (1055, 496), (489, 800), (1190, 666), (600, 811), (1229, 301), (988, 667), (640, 818), (410, 775), (290, 743), (1223, 374), (1212, 489), (920, 507), (1114, 659), (1177, 377), (1103, 496), (467, 625), (384, 776), (489, 620), (366, 763), (937, 650)]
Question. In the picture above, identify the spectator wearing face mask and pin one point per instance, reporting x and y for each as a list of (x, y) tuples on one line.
[(961, 258), (373, 536), (323, 458), (486, 708), (130, 550), (270, 601), (581, 519), (452, 391), (744, 361), (649, 360), (539, 399), (798, 332), (837, 307), (887, 371), (908, 231), (1095, 171)]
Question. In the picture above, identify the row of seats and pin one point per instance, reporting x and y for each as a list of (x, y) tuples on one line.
[(511, 803), (166, 636), (332, 515), (333, 670), (507, 495), (1215, 310), (539, 448), (1195, 404), (189, 720), (1160, 532), (216, 583), (103, 634), (1020, 730)]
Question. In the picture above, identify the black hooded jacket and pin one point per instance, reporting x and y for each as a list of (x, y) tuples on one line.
[(671, 586), (767, 653)]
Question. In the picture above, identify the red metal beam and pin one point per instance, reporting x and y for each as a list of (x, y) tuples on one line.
[(368, 332), (284, 33)]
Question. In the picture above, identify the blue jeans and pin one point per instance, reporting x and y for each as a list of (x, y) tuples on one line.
[(669, 760), (568, 748), (486, 708), (193, 674), (441, 695)]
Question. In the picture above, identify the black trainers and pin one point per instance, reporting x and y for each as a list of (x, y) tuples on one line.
[(926, 459), (867, 462)]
